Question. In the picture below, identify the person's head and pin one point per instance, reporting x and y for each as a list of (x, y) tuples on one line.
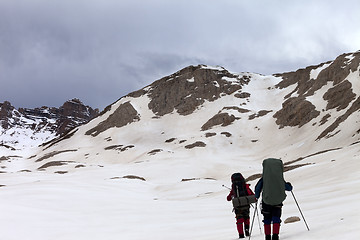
[(237, 177)]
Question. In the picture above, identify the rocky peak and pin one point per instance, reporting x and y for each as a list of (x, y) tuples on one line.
[(75, 108), (5, 110), (6, 113), (72, 114), (188, 88), (183, 91), (50, 120)]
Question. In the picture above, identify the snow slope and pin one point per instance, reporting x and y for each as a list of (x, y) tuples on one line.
[(96, 202)]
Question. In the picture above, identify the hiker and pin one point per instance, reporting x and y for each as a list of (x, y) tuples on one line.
[(273, 186), (242, 213)]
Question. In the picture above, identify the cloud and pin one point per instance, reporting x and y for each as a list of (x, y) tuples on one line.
[(99, 51)]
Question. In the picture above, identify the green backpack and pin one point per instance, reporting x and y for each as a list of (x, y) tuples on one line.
[(273, 181)]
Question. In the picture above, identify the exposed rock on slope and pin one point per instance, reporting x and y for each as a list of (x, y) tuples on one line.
[(123, 115), (339, 96), (297, 110), (355, 107), (223, 119), (334, 71)]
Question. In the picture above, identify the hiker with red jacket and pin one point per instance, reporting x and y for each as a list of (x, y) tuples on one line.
[(273, 186), (240, 188)]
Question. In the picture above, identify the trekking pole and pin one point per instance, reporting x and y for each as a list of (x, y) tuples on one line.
[(226, 187), (252, 224), (257, 213), (300, 211)]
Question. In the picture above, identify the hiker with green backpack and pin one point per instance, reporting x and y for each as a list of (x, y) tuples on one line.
[(273, 186)]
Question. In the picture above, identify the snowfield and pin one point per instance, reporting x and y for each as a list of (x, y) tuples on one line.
[(98, 203)]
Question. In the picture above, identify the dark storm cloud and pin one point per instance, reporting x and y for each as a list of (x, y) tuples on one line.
[(98, 51)]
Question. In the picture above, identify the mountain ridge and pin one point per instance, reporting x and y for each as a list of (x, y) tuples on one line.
[(41, 124), (200, 107)]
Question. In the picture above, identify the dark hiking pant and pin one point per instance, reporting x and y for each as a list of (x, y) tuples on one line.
[(272, 213), (243, 220)]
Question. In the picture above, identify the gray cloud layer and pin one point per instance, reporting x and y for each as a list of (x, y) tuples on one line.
[(98, 51)]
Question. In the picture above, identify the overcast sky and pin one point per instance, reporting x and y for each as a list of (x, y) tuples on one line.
[(101, 50)]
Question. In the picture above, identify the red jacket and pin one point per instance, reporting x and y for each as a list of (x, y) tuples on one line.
[(231, 194)]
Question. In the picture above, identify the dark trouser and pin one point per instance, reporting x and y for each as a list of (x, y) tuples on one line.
[(243, 217), (272, 214)]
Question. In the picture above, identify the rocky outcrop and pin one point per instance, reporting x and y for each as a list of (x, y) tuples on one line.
[(122, 116), (336, 72), (355, 107), (297, 111), (74, 113), (222, 119), (339, 96), (8, 115), (195, 144), (261, 113), (186, 90)]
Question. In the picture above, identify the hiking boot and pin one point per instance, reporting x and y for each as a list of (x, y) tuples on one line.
[(247, 233), (275, 237), (241, 236), (267, 237)]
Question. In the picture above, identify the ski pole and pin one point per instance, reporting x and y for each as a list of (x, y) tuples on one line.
[(252, 224), (226, 187), (257, 213), (300, 211)]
